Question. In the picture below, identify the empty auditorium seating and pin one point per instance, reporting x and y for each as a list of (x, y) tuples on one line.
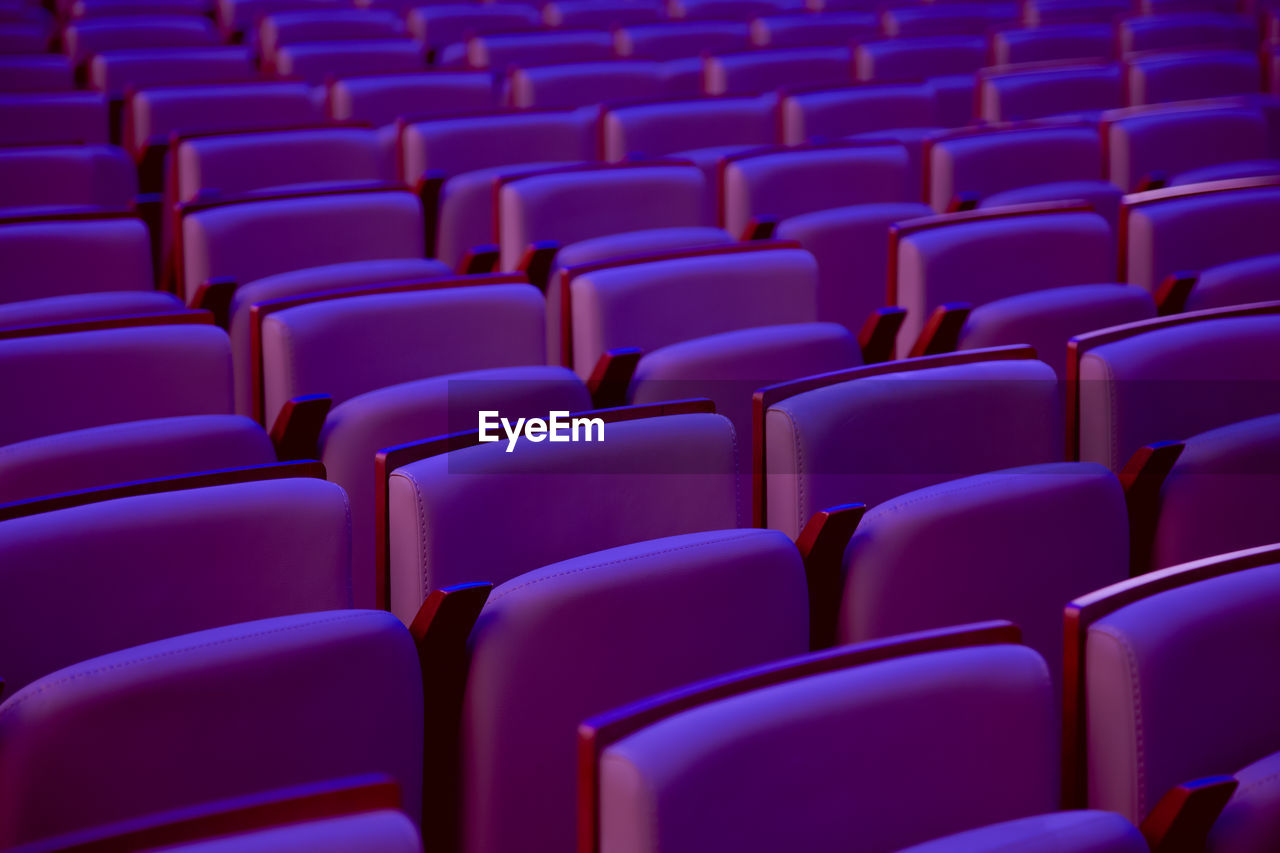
[(53, 118), (57, 178), (314, 62), (1035, 91), (947, 62), (599, 14), (1168, 379), (1186, 29), (278, 29), (1047, 44), (498, 51), (1040, 13), (380, 99), (734, 10), (84, 38), (581, 84), (682, 39), (117, 71), (1187, 75), (260, 696), (48, 258), (1034, 274), (946, 19), (801, 30), (1233, 283), (438, 25), (595, 613), (35, 73), (765, 71), (1002, 406)]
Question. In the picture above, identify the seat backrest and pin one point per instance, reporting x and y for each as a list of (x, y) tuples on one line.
[(856, 109), (947, 19), (985, 163), (1053, 43), (946, 718), (252, 707), (241, 162), (569, 205), (314, 62), (918, 58), (602, 14), (380, 99), (152, 114), (278, 29), (655, 130), (1192, 227), (439, 25), (1039, 13), (766, 71), (465, 144), (248, 240), (345, 347), (1186, 29), (1170, 379), (1162, 143), (72, 176), (498, 51), (117, 71), (35, 73), (987, 255), (961, 552), (85, 379), (733, 10), (804, 30), (999, 414), (275, 547), (54, 118), (648, 478), (58, 257), (652, 305), (1236, 283), (580, 84), (1186, 76), (1019, 94), (539, 631), (785, 182), (82, 39), (675, 40), (236, 16)]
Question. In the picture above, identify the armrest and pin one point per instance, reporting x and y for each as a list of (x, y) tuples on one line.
[(612, 377), (537, 262), (440, 631), (214, 296), (1182, 819), (879, 334), (963, 201), (1142, 478), (822, 544), (760, 228), (1152, 181), (1171, 295), (942, 331), (479, 259), (296, 431), (429, 187)]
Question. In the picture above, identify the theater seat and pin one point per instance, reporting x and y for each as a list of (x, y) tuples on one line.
[(1021, 93), (1053, 43)]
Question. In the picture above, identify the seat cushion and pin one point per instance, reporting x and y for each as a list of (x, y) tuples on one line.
[(1085, 831), (87, 306), (1236, 283), (1251, 820), (1103, 196)]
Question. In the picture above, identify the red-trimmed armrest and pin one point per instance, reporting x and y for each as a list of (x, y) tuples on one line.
[(429, 188), (1142, 478), (441, 630), (879, 334), (537, 261), (479, 259), (1171, 295), (296, 431), (963, 201), (760, 228), (612, 377), (942, 331), (822, 544), (1181, 821), (214, 296)]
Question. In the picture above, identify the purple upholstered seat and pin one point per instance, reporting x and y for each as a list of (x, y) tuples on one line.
[(729, 10), (600, 14), (1191, 74), (1236, 283), (316, 61), (1040, 13), (1016, 94), (1055, 257), (764, 71), (497, 51), (948, 63), (1197, 226), (1187, 145), (1186, 29), (52, 258), (466, 153), (804, 30), (77, 307), (299, 26), (1169, 380), (681, 39), (1082, 831), (580, 84), (868, 438), (380, 99), (1005, 545), (53, 118), (819, 755), (380, 831), (138, 569), (684, 128), (71, 176), (730, 599), (118, 71), (251, 239), (35, 73), (648, 478), (86, 379), (211, 715), (848, 111), (1052, 43), (439, 25), (84, 38), (76, 9), (962, 18)]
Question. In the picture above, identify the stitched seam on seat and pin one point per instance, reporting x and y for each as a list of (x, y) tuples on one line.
[(19, 700), (737, 479), (499, 594), (800, 480), (422, 531), (1140, 765)]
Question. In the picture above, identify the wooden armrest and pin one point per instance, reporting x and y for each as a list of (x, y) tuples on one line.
[(822, 544), (1152, 181), (479, 259), (429, 187), (1181, 821), (612, 377), (942, 331), (1171, 295), (296, 431), (963, 201), (760, 228), (214, 296), (1142, 478), (537, 262), (879, 334)]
